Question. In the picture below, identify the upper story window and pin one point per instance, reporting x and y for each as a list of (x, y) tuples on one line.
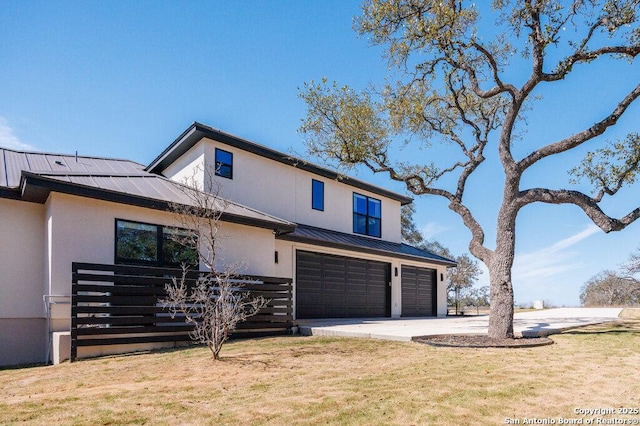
[(224, 164), (317, 195), (367, 215), (153, 245)]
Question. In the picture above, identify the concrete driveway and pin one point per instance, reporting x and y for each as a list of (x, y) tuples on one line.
[(533, 323)]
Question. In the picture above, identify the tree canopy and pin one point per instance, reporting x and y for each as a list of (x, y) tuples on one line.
[(614, 288), (466, 76)]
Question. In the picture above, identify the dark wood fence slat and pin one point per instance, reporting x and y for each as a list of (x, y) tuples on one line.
[(118, 289), (133, 340), (147, 329), (122, 304)]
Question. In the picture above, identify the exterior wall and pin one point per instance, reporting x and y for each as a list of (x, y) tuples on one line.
[(22, 311), (251, 249), (286, 268), (83, 230), (285, 191), (188, 166)]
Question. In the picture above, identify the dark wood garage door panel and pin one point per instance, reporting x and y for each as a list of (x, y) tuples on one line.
[(418, 292), (329, 286)]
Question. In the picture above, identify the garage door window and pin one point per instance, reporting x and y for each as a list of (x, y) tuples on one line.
[(367, 215)]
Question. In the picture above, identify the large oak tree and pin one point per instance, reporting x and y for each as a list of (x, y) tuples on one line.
[(455, 79)]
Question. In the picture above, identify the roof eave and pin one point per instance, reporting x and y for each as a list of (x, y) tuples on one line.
[(36, 188), (360, 249), (198, 131)]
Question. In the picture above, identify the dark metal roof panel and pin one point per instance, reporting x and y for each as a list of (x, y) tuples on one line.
[(13, 163), (143, 189), (326, 237)]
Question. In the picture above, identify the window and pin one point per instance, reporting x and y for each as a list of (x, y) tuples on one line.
[(317, 195), (224, 164), (367, 215), (146, 244)]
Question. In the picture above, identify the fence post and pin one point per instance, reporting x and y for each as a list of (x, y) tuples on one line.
[(74, 312)]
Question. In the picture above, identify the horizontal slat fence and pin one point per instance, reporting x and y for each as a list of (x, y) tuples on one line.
[(121, 304)]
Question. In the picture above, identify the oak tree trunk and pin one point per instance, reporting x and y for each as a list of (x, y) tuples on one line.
[(501, 316), (500, 266)]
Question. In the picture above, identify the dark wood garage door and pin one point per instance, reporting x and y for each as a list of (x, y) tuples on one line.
[(418, 292), (329, 286)]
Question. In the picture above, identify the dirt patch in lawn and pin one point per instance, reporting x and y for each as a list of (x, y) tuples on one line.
[(482, 341)]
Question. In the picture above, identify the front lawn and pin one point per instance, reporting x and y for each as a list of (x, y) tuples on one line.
[(317, 380)]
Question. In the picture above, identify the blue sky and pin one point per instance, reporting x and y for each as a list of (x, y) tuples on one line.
[(124, 79)]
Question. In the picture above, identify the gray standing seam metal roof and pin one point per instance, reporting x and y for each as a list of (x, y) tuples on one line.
[(13, 163), (32, 176), (335, 239)]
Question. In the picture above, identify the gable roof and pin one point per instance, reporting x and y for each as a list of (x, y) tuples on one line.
[(106, 179), (198, 131), (340, 240)]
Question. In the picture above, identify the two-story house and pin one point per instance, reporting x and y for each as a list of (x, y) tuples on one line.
[(338, 238)]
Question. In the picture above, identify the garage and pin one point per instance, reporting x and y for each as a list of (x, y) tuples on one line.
[(330, 286), (418, 292)]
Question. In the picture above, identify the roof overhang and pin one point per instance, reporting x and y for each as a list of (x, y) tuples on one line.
[(37, 188), (338, 240), (196, 132)]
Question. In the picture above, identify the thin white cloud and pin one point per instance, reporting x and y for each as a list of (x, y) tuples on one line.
[(552, 260), (8, 139), (431, 229)]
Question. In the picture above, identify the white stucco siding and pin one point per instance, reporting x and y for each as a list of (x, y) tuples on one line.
[(22, 313), (285, 191), (21, 259), (83, 230), (251, 249), (257, 182), (190, 166)]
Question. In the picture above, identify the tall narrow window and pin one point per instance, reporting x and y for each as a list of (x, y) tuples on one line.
[(367, 215), (224, 164), (317, 195)]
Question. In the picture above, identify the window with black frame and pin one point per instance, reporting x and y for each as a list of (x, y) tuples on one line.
[(317, 195), (367, 215), (154, 245), (224, 163)]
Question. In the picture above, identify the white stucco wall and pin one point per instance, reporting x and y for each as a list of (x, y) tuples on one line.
[(253, 249), (285, 191), (189, 166), (83, 230), (21, 259), (22, 314)]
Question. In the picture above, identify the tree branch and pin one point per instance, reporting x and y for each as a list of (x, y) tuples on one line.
[(581, 137), (565, 66), (587, 204)]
